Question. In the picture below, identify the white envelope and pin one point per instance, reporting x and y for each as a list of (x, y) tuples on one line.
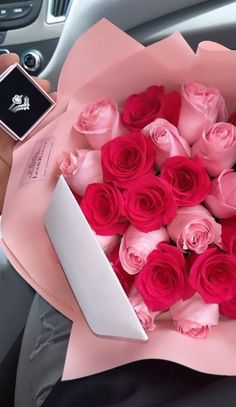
[(92, 279)]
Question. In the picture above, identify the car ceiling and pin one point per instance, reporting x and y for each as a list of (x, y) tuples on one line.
[(146, 21)]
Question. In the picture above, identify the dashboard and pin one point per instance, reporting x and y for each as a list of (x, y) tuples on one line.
[(32, 29)]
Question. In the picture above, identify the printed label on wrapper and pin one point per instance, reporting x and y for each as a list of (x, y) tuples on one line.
[(37, 165)]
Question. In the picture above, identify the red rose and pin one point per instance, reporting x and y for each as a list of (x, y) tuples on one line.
[(228, 308), (143, 108), (232, 118), (213, 275), (229, 235), (161, 281), (102, 204), (127, 158), (188, 178), (125, 279), (149, 204)]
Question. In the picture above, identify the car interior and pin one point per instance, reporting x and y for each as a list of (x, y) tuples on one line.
[(42, 32)]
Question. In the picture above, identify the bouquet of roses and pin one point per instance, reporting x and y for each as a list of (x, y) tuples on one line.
[(155, 189), (148, 148)]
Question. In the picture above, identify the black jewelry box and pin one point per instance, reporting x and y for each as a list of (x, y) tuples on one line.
[(23, 103)]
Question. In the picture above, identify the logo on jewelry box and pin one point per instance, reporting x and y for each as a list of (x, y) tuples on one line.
[(19, 102)]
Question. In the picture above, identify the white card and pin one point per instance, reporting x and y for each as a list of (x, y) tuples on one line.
[(92, 279)]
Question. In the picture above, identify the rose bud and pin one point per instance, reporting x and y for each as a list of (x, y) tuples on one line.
[(162, 280), (167, 140), (81, 169), (127, 158), (217, 148), (99, 122), (229, 235), (188, 179), (213, 275), (143, 108), (136, 246), (201, 107), (145, 316), (193, 228), (221, 199), (193, 317)]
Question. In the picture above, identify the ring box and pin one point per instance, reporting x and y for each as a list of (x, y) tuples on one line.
[(23, 103)]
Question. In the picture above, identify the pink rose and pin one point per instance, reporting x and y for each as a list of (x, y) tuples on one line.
[(192, 329), (81, 169), (221, 199), (108, 243), (68, 163), (145, 316), (167, 140), (99, 122), (201, 107), (194, 228), (136, 246), (194, 317), (217, 147)]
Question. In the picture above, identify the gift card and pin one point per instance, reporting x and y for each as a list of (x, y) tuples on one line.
[(91, 277), (23, 103)]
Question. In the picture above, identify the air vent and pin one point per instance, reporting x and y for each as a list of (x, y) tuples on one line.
[(58, 10)]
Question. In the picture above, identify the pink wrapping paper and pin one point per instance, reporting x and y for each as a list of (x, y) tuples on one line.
[(103, 63)]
